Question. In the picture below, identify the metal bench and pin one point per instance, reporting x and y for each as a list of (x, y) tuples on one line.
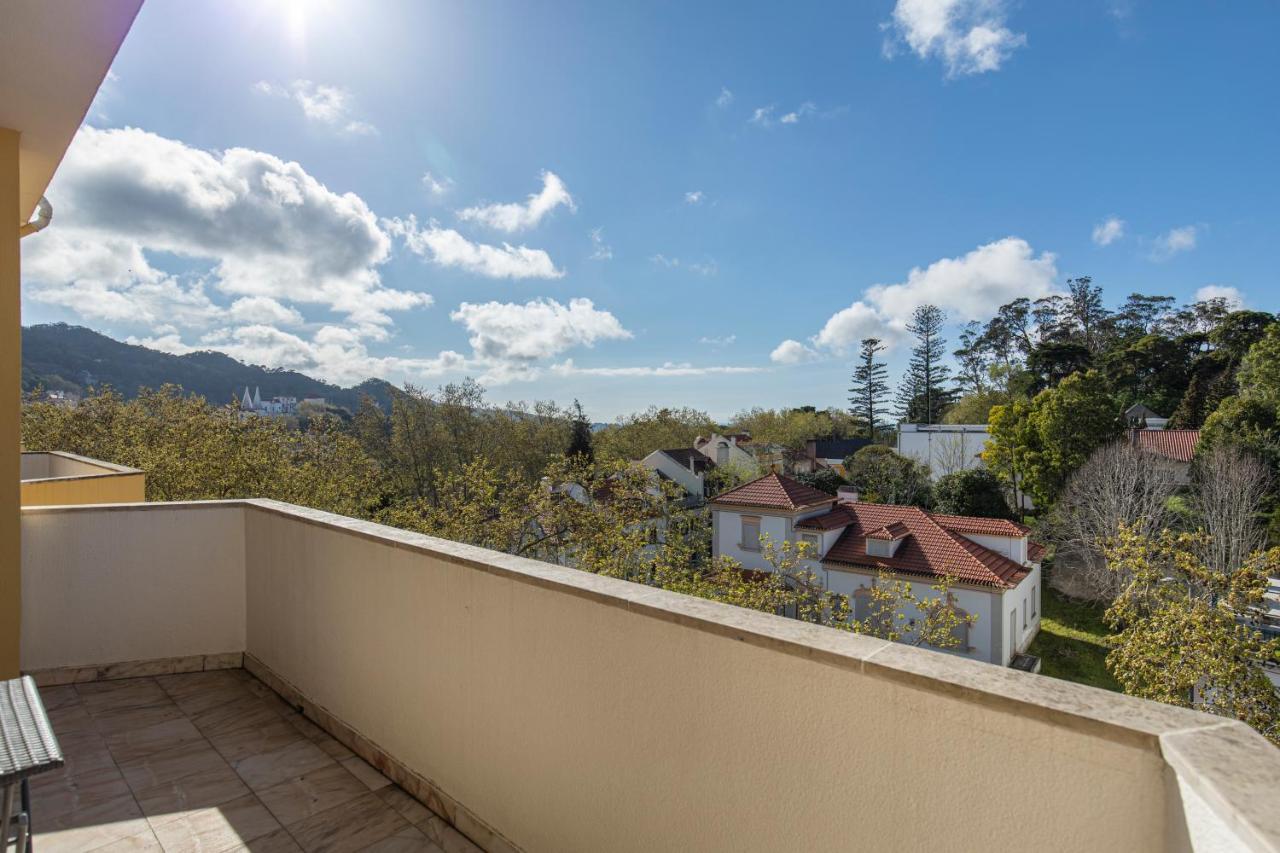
[(27, 747)]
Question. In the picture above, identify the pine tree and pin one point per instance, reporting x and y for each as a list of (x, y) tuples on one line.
[(869, 386), (580, 438), (923, 395)]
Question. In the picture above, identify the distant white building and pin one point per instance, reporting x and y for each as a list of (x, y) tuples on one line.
[(684, 466), (945, 448), (275, 407), (725, 449), (995, 566)]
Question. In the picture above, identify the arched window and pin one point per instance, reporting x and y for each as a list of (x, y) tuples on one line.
[(961, 631), (722, 453)]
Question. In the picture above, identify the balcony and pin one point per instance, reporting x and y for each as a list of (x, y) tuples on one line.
[(535, 707), (56, 478)]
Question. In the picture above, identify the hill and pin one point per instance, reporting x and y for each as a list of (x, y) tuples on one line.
[(60, 357)]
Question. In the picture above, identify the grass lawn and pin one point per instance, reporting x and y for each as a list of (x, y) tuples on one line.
[(1072, 643)]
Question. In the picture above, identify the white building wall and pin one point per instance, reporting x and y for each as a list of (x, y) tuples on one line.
[(1028, 594), (1013, 548), (943, 447), (728, 536), (689, 481)]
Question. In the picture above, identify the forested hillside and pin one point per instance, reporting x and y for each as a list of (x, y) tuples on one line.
[(59, 357)]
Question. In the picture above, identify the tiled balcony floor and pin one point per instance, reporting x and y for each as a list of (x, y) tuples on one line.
[(213, 761)]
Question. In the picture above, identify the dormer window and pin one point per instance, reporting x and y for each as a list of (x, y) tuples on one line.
[(884, 541), (881, 547)]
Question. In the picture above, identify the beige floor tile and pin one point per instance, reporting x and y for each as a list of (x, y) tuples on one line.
[(411, 840), (446, 837), (99, 696), (187, 683), (271, 768), (202, 790), (311, 793), (57, 697), (148, 771), (365, 772), (74, 793), (135, 743), (115, 720), (90, 827), (254, 739), (247, 710), (279, 841), (336, 750), (71, 718), (211, 696), (307, 728), (219, 828), (400, 800), (82, 752), (353, 825), (143, 842)]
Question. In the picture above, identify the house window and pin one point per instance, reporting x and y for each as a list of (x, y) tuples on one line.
[(1024, 613), (750, 533), (879, 548), (862, 604), (1033, 602), (815, 545), (722, 453)]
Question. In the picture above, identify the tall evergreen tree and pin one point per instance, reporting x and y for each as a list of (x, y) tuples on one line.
[(923, 395), (869, 386), (580, 446)]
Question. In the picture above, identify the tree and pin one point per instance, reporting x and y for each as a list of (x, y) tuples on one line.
[(1231, 489), (869, 386), (824, 480), (882, 476), (974, 361), (1184, 632), (1036, 446), (975, 492), (1118, 488), (637, 435), (923, 394), (580, 438), (1251, 417)]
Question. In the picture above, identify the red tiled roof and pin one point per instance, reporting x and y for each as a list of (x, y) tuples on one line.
[(774, 491), (890, 532), (981, 526), (1035, 552), (837, 517), (1176, 444), (928, 548)]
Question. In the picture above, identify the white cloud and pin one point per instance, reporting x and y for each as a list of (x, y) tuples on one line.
[(1173, 242), (264, 309), (437, 187), (805, 109), (724, 341), (511, 332), (1232, 295), (515, 217), (668, 369), (321, 103), (333, 353), (600, 250), (725, 98), (969, 287), (1108, 231), (265, 227), (968, 36), (693, 197), (663, 261), (762, 116), (791, 352), (707, 267), (848, 326), (447, 248)]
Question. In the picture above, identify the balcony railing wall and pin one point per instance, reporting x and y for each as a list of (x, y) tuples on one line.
[(549, 709)]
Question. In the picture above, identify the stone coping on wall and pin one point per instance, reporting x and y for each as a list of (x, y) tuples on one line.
[(110, 469), (1230, 765)]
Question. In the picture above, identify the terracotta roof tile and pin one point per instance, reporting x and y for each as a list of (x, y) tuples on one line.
[(1176, 444), (981, 526), (928, 547), (891, 532), (839, 516), (774, 491)]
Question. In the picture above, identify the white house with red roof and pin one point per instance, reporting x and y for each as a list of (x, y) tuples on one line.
[(994, 565)]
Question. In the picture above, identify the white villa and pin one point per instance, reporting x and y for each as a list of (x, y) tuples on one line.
[(995, 567), (683, 466), (276, 406), (725, 449)]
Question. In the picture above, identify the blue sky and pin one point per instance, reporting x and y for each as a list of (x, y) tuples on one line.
[(729, 196)]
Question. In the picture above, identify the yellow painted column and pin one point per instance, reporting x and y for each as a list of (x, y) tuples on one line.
[(10, 407)]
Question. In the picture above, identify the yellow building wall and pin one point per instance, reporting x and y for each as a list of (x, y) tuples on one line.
[(107, 489), (10, 407)]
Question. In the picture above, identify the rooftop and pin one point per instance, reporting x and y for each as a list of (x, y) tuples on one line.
[(1178, 445), (774, 491)]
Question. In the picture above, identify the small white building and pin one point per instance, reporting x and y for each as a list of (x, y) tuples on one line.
[(725, 449), (274, 407), (945, 448), (684, 466), (995, 566)]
